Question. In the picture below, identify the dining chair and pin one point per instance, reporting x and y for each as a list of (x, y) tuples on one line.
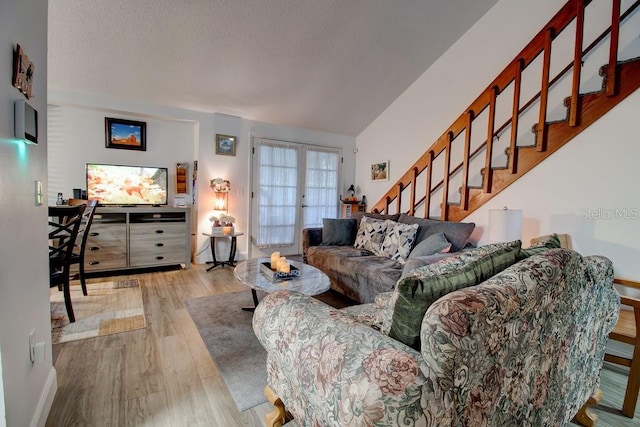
[(78, 254), (64, 224), (626, 331)]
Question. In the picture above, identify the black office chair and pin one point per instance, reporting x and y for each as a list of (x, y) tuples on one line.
[(64, 225), (78, 254)]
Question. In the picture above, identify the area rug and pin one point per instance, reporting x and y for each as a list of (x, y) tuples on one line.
[(227, 333), (109, 308)]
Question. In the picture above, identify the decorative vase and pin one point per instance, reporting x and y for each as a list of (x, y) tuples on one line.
[(228, 229), (216, 228)]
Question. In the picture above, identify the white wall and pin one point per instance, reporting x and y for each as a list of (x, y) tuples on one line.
[(77, 137), (24, 280), (77, 125), (594, 171)]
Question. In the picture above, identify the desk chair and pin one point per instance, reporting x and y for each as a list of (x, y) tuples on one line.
[(64, 224), (78, 254), (626, 331)]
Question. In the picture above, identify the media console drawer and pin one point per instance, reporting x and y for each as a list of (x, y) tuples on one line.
[(156, 243), (106, 247)]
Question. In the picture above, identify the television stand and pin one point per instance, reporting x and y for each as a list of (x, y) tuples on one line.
[(133, 237)]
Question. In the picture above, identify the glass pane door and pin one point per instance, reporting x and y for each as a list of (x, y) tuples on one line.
[(294, 186), (320, 198)]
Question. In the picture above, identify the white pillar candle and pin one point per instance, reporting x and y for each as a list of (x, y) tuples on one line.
[(286, 267), (281, 261), (275, 256)]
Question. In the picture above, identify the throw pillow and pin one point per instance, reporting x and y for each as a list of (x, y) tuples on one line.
[(434, 244), (398, 241), (338, 232), (416, 292), (416, 262), (552, 242), (371, 234), (457, 233)]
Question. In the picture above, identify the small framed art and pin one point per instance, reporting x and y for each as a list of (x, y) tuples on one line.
[(125, 134), (225, 145), (380, 171)]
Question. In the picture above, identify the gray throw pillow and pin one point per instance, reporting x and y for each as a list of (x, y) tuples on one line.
[(338, 232), (434, 244), (456, 232)]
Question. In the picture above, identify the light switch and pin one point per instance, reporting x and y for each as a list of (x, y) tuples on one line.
[(38, 193), (38, 352)]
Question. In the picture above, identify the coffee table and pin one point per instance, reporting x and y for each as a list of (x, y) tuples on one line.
[(310, 282)]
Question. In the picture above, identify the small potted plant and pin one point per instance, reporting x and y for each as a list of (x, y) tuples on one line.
[(222, 224)]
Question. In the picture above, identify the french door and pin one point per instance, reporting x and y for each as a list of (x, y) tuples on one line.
[(293, 186)]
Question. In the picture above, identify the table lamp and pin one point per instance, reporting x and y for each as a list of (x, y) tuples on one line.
[(505, 225)]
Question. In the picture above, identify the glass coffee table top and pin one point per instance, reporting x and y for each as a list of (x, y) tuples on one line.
[(310, 282)]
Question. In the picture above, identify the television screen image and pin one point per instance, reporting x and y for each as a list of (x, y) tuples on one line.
[(126, 185)]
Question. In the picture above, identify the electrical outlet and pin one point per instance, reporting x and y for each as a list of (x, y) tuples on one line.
[(32, 345)]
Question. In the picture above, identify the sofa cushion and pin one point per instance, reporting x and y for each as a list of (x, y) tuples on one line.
[(434, 244), (339, 231), (354, 272), (371, 234), (418, 290), (399, 240), (456, 232)]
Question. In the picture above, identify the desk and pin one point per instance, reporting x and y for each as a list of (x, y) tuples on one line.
[(232, 251)]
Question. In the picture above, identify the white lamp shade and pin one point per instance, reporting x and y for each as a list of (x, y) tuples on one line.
[(505, 225)]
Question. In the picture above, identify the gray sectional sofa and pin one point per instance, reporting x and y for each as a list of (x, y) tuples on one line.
[(361, 266)]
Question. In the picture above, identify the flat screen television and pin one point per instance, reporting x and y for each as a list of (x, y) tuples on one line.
[(126, 185)]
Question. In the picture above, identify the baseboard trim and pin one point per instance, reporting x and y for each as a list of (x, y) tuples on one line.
[(46, 400)]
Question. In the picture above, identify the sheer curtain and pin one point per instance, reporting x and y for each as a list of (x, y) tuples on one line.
[(277, 194), (321, 192)]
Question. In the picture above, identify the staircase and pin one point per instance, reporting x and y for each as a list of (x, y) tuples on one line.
[(426, 187)]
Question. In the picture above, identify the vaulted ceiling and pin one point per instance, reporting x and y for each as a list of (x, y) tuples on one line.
[(328, 65)]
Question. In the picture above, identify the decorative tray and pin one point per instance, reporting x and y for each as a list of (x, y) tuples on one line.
[(265, 269)]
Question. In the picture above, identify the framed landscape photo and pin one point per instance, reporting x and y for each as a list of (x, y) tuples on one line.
[(380, 171), (125, 134), (225, 145)]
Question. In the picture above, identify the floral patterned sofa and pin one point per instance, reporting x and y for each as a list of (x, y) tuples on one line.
[(524, 347)]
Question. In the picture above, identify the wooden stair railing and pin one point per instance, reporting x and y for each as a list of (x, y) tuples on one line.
[(620, 80)]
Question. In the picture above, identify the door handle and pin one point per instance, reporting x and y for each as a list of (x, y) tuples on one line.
[(304, 206)]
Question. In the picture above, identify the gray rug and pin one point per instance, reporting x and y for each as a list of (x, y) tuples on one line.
[(227, 333)]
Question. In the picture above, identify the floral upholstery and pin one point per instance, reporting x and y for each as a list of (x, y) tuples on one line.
[(523, 348)]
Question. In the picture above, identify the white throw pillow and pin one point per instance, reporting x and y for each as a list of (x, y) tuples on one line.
[(371, 234), (399, 240)]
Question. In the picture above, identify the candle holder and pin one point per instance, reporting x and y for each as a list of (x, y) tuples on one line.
[(274, 276)]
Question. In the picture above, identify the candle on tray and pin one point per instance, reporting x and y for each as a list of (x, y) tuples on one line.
[(285, 266), (275, 256), (280, 261)]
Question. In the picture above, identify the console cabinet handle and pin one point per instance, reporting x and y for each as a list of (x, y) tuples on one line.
[(159, 257), (159, 231), (159, 245), (94, 234), (94, 262), (94, 248)]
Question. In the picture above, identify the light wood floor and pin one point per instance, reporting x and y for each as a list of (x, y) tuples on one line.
[(163, 375)]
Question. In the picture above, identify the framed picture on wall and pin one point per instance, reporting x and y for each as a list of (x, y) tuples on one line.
[(380, 171), (125, 134), (225, 145)]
